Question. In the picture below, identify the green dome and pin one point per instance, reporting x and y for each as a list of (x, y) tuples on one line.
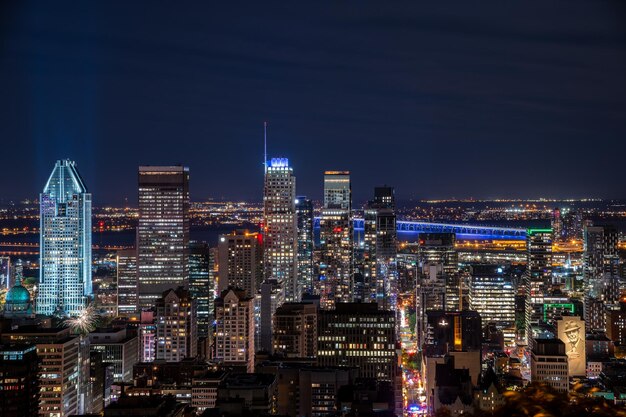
[(18, 295)]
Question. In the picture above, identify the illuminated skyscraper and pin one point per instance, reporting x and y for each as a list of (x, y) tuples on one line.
[(536, 279), (202, 284), (65, 243), (240, 262), (162, 232), (336, 240), (600, 274), (439, 248), (492, 295), (304, 214), (380, 251), (280, 239), (127, 282)]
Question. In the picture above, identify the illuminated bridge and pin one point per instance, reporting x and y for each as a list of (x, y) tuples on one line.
[(463, 231)]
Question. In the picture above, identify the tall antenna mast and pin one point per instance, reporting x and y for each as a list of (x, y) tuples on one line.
[(265, 145)]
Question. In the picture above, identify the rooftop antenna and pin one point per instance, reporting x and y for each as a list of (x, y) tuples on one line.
[(265, 145)]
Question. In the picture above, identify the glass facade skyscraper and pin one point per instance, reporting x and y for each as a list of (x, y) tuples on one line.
[(336, 239), (162, 232), (304, 213), (65, 243)]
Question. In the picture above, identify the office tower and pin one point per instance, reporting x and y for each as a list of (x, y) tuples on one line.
[(439, 248), (127, 283), (537, 278), (118, 348), (304, 215), (600, 273), (176, 327), (202, 285), (59, 368), (281, 235), (240, 261), (492, 294), (295, 330), (19, 382), (548, 364), (336, 240), (65, 243), (147, 336), (162, 231), (359, 335), (234, 329), (5, 272), (380, 249)]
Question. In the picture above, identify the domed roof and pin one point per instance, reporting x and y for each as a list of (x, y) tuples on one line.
[(18, 295)]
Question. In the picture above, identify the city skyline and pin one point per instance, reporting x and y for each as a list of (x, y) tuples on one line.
[(436, 91)]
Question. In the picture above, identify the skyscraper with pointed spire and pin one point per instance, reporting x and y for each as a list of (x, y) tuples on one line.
[(65, 243)]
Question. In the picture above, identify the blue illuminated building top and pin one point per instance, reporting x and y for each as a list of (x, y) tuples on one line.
[(279, 163)]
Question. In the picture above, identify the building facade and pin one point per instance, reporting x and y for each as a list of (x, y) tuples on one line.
[(280, 227), (335, 283), (359, 335), (240, 261), (127, 283), (176, 326), (304, 214), (162, 231), (234, 329), (65, 243), (295, 330)]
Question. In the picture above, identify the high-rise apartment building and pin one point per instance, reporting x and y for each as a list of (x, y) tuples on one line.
[(380, 249), (127, 283), (439, 248), (304, 215), (537, 278), (280, 227), (65, 243), (202, 284), (234, 329), (359, 335), (336, 240), (295, 330), (240, 261), (600, 274), (176, 326), (162, 231)]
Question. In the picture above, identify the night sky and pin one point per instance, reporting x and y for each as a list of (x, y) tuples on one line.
[(468, 99)]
